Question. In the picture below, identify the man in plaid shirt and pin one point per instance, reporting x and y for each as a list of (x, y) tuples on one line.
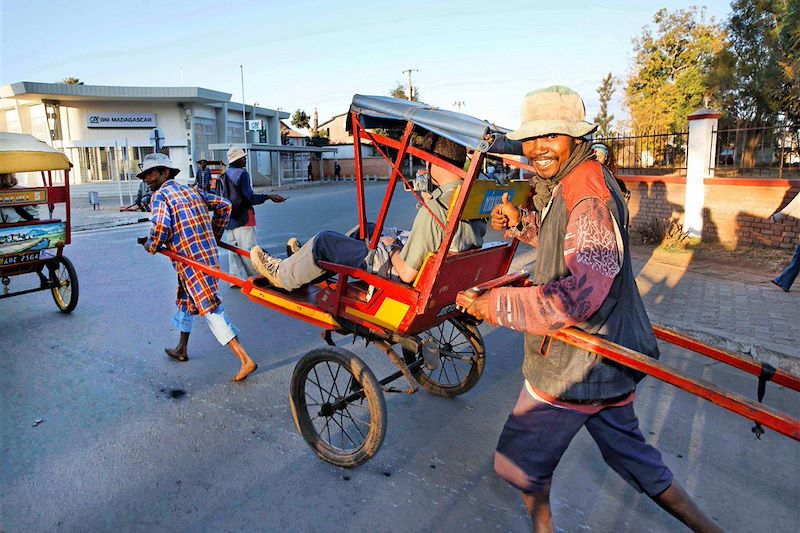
[(181, 222)]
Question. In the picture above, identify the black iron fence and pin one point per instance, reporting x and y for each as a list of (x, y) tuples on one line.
[(759, 152), (653, 154)]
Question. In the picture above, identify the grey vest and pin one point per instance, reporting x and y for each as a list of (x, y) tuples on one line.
[(563, 370)]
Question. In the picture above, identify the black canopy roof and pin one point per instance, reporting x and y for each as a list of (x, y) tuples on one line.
[(391, 113)]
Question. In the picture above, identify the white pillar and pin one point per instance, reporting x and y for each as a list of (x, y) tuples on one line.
[(700, 150)]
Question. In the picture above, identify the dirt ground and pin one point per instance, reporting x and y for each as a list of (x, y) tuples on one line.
[(758, 260)]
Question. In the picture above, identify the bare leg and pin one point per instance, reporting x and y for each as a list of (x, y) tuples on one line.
[(180, 351), (538, 506), (676, 502), (248, 365)]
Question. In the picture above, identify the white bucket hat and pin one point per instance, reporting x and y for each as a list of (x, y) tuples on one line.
[(152, 161), (235, 154), (555, 109)]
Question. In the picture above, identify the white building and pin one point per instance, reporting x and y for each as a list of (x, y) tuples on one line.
[(105, 130)]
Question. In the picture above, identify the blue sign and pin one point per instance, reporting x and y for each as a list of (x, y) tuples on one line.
[(491, 198)]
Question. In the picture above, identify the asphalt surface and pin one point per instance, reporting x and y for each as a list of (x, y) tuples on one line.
[(128, 439)]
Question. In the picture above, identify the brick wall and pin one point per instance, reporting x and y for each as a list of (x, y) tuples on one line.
[(736, 210), (372, 166)]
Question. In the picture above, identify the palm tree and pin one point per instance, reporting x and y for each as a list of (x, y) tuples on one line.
[(72, 81)]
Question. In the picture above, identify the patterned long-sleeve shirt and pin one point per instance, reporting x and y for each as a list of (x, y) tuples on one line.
[(592, 254), (189, 223)]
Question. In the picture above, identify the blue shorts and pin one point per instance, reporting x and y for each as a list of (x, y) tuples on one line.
[(537, 434)]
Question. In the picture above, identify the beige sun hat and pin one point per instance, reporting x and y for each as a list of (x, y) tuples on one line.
[(152, 161), (235, 154), (555, 109)]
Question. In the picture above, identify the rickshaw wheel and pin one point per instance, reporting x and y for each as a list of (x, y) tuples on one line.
[(64, 282), (338, 406), (461, 358)]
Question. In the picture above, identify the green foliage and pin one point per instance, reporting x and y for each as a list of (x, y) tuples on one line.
[(300, 119), (400, 92), (603, 119), (319, 138), (669, 74), (756, 75)]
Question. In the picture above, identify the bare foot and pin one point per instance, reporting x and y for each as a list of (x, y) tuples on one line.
[(245, 371), (177, 353)]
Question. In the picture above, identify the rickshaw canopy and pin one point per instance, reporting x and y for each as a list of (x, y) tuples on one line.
[(392, 113), (25, 153)]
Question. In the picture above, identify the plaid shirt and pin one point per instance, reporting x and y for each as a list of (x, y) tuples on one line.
[(182, 221)]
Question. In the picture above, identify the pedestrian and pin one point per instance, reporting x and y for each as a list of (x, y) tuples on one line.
[(785, 280), (203, 176), (337, 170), (310, 173), (583, 278), (606, 157), (241, 230), (189, 223)]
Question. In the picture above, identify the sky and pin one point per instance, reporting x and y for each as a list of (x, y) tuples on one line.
[(317, 54)]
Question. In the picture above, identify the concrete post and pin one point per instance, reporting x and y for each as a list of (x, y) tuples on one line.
[(700, 151)]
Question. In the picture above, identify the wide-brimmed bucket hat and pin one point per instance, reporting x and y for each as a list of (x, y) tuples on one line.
[(152, 161), (234, 154), (552, 110)]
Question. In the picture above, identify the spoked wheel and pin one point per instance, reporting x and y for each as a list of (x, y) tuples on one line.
[(338, 406), (64, 283), (461, 358)]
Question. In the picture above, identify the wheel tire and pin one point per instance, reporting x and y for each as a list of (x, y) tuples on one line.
[(351, 441), (65, 284), (458, 338)]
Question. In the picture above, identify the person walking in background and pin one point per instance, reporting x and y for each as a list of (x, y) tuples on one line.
[(189, 223), (203, 175), (310, 171), (241, 230), (785, 280), (606, 157), (337, 170)]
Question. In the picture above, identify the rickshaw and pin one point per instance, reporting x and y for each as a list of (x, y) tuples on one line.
[(336, 400), (36, 246)]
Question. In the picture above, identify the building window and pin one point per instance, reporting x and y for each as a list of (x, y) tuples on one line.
[(12, 121), (205, 133), (235, 132), (39, 127)]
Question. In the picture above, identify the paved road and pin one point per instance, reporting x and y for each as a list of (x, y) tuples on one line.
[(115, 450)]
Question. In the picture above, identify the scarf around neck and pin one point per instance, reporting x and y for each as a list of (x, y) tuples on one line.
[(543, 187)]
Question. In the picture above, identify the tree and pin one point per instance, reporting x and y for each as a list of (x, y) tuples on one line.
[(755, 77), (300, 119), (669, 73), (400, 92), (72, 81), (603, 119)]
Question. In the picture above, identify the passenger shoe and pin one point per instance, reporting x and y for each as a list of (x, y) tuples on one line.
[(266, 265), (292, 245)]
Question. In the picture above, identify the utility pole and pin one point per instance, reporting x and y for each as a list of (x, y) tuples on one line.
[(458, 104), (410, 86), (410, 98)]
